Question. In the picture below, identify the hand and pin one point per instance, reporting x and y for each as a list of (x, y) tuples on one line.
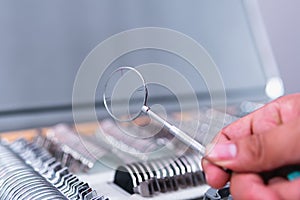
[(264, 140)]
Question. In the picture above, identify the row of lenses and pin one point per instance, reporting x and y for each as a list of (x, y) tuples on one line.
[(77, 153), (30, 172), (20, 181), (163, 175)]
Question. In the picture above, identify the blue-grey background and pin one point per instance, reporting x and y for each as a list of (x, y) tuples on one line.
[(281, 19), (44, 42)]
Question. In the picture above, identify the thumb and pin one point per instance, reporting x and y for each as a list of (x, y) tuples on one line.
[(259, 152)]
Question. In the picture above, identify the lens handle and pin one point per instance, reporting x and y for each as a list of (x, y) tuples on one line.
[(179, 134)]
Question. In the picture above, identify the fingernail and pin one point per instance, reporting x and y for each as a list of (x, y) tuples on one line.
[(221, 151)]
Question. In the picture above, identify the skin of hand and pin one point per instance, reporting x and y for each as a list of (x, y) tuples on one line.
[(264, 140)]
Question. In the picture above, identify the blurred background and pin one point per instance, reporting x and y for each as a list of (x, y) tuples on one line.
[(282, 22), (44, 43)]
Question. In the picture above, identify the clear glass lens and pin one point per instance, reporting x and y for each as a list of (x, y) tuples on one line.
[(125, 94)]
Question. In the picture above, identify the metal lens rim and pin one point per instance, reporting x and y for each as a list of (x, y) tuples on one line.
[(144, 100)]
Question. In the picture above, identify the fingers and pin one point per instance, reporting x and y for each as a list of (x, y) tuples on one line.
[(289, 107), (263, 140), (263, 120), (215, 176), (280, 111), (287, 189), (260, 152), (257, 122), (251, 186)]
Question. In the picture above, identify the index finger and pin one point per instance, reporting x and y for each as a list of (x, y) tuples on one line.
[(215, 176)]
